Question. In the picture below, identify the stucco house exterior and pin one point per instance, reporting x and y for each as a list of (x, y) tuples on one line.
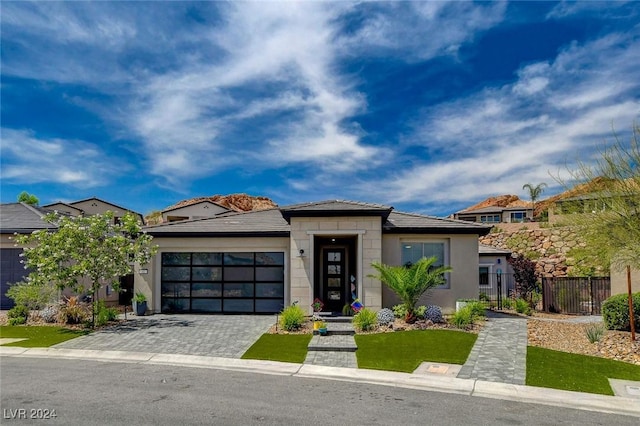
[(197, 210), (260, 261), (496, 214)]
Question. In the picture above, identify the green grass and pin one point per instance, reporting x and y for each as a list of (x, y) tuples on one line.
[(405, 351), (280, 347), (39, 336), (562, 370)]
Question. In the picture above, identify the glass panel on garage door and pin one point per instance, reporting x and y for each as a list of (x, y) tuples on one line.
[(232, 282)]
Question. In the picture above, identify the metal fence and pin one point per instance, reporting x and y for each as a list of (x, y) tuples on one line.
[(494, 288), (568, 295)]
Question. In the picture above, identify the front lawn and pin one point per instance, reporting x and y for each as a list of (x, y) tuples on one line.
[(561, 370), (280, 347), (405, 351), (38, 336)]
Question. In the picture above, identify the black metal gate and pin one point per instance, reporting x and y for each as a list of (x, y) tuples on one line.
[(575, 295)]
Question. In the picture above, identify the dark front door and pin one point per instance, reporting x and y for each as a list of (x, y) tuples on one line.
[(334, 278)]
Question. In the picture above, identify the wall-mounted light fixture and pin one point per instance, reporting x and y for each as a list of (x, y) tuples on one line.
[(301, 253)]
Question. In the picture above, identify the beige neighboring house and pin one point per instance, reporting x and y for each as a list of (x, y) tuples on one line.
[(197, 210), (260, 261), (496, 214)]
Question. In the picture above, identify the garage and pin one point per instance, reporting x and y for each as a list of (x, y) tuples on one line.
[(11, 272), (222, 282)]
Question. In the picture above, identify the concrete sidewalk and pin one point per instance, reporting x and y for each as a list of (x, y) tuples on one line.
[(426, 382)]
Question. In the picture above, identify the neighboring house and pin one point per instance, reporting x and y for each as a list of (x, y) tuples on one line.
[(496, 214), (24, 219), (16, 218), (494, 266), (261, 261), (197, 210), (91, 206)]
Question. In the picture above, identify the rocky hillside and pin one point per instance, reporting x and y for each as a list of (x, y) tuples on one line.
[(236, 202)]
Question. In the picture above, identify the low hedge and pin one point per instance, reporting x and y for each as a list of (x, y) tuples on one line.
[(615, 311)]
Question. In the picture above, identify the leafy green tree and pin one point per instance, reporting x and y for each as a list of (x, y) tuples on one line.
[(411, 282), (534, 193), (609, 218), (25, 197), (85, 253)]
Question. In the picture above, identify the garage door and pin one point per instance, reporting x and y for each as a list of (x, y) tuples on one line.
[(11, 272), (229, 282)]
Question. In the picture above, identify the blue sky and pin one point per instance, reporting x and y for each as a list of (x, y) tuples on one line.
[(426, 106)]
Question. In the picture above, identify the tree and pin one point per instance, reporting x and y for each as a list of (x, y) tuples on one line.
[(411, 282), (85, 253), (534, 193), (25, 197), (609, 221), (524, 275)]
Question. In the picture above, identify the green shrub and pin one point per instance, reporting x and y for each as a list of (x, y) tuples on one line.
[(18, 315), (292, 317), (365, 319), (33, 296), (478, 309), (522, 306), (484, 297), (463, 317), (615, 311), (507, 303), (420, 311), (595, 332), (400, 311), (105, 314)]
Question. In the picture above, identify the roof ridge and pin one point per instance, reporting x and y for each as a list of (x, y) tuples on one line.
[(229, 213)]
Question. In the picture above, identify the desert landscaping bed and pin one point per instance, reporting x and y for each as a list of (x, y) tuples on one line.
[(572, 337)]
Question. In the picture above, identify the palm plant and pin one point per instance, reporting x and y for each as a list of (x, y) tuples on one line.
[(534, 193), (411, 282)]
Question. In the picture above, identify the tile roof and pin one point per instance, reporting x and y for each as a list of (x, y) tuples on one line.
[(273, 222), (261, 222), (399, 222), (22, 218), (485, 249)]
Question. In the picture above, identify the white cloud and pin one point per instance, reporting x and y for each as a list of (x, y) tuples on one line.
[(553, 115), (29, 159)]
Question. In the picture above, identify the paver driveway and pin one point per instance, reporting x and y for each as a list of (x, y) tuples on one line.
[(212, 335)]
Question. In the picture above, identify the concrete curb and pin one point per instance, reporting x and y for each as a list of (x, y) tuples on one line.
[(434, 383)]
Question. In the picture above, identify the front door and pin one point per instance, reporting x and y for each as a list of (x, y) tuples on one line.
[(333, 278)]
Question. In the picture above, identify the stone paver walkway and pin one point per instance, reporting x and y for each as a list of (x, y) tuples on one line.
[(211, 335), (500, 352), (337, 348)]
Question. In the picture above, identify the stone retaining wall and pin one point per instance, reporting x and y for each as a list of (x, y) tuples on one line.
[(548, 247)]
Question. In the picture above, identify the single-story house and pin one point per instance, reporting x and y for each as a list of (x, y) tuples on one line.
[(497, 214), (260, 261)]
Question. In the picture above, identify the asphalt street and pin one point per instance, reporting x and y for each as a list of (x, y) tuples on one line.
[(99, 393)]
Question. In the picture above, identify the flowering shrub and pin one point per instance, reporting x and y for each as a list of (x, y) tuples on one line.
[(385, 316)]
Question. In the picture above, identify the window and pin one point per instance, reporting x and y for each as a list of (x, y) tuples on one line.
[(414, 251), (518, 216), (490, 218), (223, 282), (484, 275)]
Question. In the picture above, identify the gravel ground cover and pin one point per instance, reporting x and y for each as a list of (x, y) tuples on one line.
[(563, 335)]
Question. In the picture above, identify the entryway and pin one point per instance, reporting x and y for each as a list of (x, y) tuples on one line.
[(335, 278)]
